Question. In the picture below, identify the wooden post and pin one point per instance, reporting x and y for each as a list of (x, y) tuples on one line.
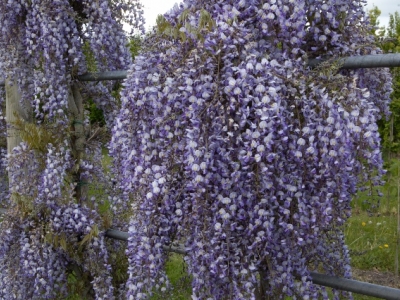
[(75, 103), (262, 287), (15, 110), (396, 258)]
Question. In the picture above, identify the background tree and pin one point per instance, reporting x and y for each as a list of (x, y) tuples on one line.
[(389, 41), (373, 14)]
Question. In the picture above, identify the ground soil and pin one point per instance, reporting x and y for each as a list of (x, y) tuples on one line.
[(377, 277)]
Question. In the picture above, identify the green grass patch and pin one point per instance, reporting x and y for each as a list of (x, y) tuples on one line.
[(371, 232), (372, 241), (181, 288)]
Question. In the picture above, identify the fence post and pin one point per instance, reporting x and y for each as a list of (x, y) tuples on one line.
[(75, 107), (262, 286), (14, 110)]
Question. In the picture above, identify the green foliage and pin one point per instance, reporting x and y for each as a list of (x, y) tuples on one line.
[(180, 280), (90, 58), (77, 285), (119, 264), (388, 40), (135, 45), (372, 241), (37, 137), (374, 14), (94, 232), (390, 129), (184, 28), (393, 31), (96, 115)]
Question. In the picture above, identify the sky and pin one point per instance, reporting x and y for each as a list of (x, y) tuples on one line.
[(386, 7), (152, 8)]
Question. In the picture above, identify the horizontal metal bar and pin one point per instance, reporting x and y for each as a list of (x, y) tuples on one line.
[(355, 286), (343, 284), (116, 234), (338, 283), (110, 75), (351, 62), (123, 236), (365, 61)]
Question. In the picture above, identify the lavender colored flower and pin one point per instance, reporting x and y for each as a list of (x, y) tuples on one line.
[(259, 156), (44, 45)]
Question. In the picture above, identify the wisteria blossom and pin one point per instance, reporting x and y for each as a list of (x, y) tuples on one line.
[(229, 143), (52, 238)]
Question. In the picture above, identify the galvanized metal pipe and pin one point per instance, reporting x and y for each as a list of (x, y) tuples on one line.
[(338, 283), (110, 75), (365, 61), (123, 236), (102, 76), (358, 287), (351, 62)]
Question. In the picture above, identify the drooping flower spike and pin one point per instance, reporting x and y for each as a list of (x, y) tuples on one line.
[(55, 211), (229, 143)]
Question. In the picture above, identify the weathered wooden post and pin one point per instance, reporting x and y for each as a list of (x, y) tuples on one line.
[(75, 103), (15, 110)]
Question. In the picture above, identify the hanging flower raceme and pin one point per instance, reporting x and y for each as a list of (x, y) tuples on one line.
[(44, 46), (229, 143), (30, 268)]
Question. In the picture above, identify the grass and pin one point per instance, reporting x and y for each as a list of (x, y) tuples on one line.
[(372, 237), (179, 279), (372, 241)]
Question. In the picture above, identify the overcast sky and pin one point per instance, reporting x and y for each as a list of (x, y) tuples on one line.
[(386, 6), (152, 8)]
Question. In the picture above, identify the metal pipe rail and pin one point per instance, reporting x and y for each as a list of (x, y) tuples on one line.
[(355, 286), (364, 61), (351, 62), (338, 283)]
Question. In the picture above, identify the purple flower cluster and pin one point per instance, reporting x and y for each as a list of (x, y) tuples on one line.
[(30, 268), (74, 223), (35, 267), (44, 45), (20, 162), (50, 187), (47, 200), (4, 192), (3, 152), (232, 145)]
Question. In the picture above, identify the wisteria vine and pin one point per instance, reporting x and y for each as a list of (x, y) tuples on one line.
[(52, 238), (228, 142)]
